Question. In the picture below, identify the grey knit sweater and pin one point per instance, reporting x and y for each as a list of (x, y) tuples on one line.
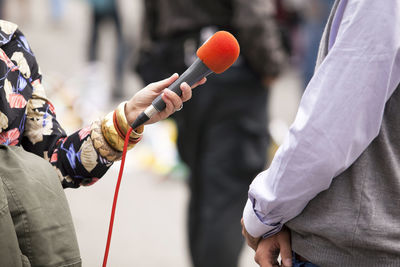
[(356, 222)]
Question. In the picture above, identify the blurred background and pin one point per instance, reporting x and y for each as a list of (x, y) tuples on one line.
[(151, 219)]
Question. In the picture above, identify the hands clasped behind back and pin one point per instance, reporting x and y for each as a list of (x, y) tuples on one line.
[(268, 249)]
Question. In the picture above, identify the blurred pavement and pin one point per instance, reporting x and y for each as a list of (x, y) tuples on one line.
[(150, 223)]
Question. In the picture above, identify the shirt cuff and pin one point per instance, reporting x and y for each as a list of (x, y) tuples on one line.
[(254, 226)]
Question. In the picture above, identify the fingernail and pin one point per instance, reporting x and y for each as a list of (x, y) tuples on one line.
[(287, 262)]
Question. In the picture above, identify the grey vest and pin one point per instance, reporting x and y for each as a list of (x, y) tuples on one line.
[(356, 222)]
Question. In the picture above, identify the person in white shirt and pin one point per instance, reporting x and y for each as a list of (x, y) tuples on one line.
[(335, 181)]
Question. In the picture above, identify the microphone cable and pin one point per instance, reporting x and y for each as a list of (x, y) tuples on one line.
[(114, 206)]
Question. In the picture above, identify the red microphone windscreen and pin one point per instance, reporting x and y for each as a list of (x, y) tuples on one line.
[(219, 52)]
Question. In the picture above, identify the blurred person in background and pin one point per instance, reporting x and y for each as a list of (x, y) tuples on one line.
[(103, 11), (222, 131), (314, 16), (57, 10), (288, 19), (38, 159), (301, 24)]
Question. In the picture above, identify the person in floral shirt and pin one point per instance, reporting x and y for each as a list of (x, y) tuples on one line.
[(35, 222)]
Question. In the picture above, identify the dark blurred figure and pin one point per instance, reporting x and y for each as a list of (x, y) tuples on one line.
[(223, 134), (288, 19), (315, 13), (102, 11), (301, 25)]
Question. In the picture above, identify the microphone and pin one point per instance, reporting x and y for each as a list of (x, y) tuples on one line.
[(216, 55)]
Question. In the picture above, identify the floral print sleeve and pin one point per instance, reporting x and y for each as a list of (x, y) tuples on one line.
[(27, 117)]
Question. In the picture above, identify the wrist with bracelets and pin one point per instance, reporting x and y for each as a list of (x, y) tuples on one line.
[(122, 125), (114, 127)]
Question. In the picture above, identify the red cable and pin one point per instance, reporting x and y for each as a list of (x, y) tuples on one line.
[(121, 170)]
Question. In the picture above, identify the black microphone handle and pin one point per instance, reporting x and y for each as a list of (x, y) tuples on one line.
[(197, 71), (193, 74)]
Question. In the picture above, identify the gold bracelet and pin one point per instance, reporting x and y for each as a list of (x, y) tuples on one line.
[(110, 133), (101, 145), (123, 123)]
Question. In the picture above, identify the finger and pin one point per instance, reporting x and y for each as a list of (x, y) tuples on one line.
[(202, 81), (175, 99), (285, 248), (251, 244), (243, 230), (161, 85), (169, 105), (263, 261), (267, 252), (251, 241), (186, 92)]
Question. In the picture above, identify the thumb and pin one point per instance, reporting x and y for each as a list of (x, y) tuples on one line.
[(285, 248), (161, 85)]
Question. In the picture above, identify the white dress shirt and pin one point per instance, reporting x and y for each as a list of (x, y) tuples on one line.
[(339, 115)]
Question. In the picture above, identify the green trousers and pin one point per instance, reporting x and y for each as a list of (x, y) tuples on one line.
[(36, 227)]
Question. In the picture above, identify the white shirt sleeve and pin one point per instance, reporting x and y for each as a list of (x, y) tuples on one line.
[(339, 115)]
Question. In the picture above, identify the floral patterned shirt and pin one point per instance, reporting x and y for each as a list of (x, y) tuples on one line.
[(28, 119)]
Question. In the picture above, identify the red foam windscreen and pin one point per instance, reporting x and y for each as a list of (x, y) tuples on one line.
[(219, 52)]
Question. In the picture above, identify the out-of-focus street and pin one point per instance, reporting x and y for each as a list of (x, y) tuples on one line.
[(150, 223)]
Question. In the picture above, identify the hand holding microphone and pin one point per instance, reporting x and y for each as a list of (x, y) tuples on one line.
[(216, 55), (142, 99)]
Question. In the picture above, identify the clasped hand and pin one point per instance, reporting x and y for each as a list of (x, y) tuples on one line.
[(268, 249)]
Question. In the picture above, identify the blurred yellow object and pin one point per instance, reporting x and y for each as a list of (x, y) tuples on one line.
[(158, 152), (272, 148), (172, 129)]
